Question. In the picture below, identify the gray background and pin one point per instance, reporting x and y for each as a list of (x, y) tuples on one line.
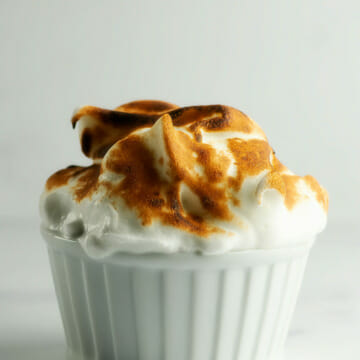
[(293, 66)]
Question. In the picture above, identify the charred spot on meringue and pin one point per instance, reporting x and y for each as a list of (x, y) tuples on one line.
[(144, 191), (321, 194), (86, 182), (62, 177), (150, 107)]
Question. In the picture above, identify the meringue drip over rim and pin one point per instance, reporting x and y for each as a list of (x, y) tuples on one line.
[(166, 179)]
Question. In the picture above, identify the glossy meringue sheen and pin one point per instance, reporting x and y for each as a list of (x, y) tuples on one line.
[(168, 179)]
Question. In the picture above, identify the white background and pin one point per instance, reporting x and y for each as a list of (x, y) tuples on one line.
[(293, 66)]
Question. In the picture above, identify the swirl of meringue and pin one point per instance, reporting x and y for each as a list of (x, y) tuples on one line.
[(167, 179)]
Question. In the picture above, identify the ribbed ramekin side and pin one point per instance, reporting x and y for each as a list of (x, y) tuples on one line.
[(57, 270), (116, 311), (255, 310), (122, 311), (81, 295), (289, 294)]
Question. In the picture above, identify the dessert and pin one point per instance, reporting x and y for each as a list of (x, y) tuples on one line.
[(169, 179), (185, 238)]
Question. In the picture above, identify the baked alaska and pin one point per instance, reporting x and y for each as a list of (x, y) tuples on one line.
[(172, 179)]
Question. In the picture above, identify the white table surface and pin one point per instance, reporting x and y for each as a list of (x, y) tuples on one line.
[(326, 323)]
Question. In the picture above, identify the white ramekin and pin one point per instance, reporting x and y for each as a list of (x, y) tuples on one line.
[(235, 306)]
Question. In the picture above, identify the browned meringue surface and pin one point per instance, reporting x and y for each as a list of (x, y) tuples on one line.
[(197, 172)]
